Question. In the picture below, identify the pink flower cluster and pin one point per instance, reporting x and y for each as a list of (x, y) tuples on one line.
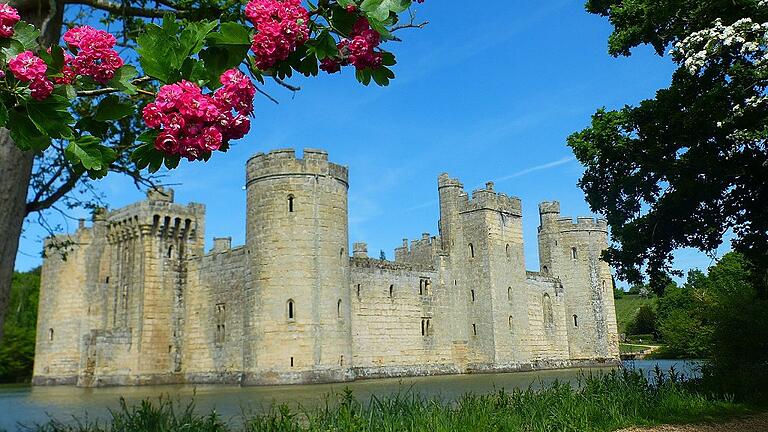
[(359, 51), (194, 124), (281, 28), (94, 55), (27, 67), (8, 18)]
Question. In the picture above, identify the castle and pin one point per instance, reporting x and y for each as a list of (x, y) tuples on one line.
[(138, 300)]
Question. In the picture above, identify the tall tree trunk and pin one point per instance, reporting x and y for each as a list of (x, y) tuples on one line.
[(15, 165)]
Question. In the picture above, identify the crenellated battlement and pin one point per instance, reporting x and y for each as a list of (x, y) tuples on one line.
[(421, 251), (488, 199), (549, 212), (283, 162)]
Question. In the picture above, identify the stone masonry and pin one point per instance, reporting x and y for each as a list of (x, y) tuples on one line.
[(138, 301)]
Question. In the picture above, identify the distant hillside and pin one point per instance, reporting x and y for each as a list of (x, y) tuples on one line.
[(627, 307)]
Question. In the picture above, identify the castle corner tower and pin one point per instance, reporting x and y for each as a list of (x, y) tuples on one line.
[(297, 237)]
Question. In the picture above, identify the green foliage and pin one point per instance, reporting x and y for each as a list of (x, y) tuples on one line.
[(681, 169), (17, 351), (618, 293), (627, 308), (644, 322), (603, 402), (662, 23)]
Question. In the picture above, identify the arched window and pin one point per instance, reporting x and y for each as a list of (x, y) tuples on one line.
[(391, 291), (423, 327), (291, 310), (575, 321), (170, 251), (549, 316), (509, 254), (471, 250), (50, 334), (291, 203), (291, 361), (510, 322), (574, 253), (545, 270), (358, 291), (472, 293), (509, 294), (338, 309)]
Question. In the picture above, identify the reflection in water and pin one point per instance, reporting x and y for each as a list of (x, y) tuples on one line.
[(33, 404)]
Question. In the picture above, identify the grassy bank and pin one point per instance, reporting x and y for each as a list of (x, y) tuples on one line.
[(598, 403), (627, 307)]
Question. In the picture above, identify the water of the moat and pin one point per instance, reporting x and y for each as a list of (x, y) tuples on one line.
[(30, 405)]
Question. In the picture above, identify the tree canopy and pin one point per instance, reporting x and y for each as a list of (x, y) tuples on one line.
[(688, 167)]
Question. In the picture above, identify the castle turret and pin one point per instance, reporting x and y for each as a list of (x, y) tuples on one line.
[(297, 235), (448, 190), (572, 253)]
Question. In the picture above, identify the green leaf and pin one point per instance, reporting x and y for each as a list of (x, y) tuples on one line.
[(94, 127), (364, 76), (51, 116), (230, 33), (112, 108), (25, 133), (85, 151), (163, 50), (122, 79), (380, 9), (382, 76), (193, 36), (3, 115), (388, 59), (26, 35)]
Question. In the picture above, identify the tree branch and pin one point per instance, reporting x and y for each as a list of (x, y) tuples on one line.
[(107, 90), (50, 200), (120, 9)]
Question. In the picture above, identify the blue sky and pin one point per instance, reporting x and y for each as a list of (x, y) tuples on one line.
[(484, 94)]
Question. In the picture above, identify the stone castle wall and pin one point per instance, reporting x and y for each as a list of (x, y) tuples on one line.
[(138, 301)]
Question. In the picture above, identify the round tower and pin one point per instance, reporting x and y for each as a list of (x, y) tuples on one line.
[(297, 237)]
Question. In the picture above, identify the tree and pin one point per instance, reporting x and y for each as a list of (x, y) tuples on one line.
[(644, 322), (17, 351), (176, 89), (382, 255), (687, 167)]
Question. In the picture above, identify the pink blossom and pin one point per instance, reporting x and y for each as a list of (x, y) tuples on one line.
[(8, 18), (27, 66), (41, 88), (281, 28)]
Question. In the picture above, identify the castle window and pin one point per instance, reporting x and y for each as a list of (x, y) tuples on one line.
[(220, 316), (170, 251), (509, 294), (510, 323), (575, 321), (509, 255), (423, 327), (341, 361), (106, 280), (338, 309), (50, 335), (574, 253), (290, 203), (391, 291), (472, 294), (427, 287), (474, 330), (429, 331), (291, 361), (545, 270), (358, 291), (341, 256), (549, 316), (291, 311), (603, 285), (421, 287), (471, 250)]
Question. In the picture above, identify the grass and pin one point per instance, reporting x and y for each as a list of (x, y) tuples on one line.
[(627, 307), (603, 402)]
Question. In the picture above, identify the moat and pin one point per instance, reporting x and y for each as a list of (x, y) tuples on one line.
[(34, 404)]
